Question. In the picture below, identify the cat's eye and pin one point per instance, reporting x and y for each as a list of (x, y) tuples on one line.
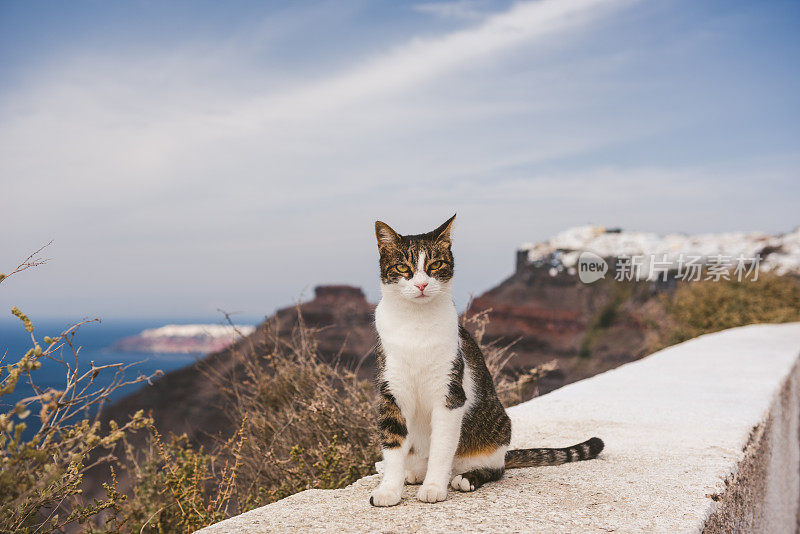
[(438, 264), (400, 268)]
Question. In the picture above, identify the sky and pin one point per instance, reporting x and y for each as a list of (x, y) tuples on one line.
[(186, 157)]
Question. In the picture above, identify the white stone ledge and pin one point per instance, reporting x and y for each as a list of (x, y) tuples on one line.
[(700, 436)]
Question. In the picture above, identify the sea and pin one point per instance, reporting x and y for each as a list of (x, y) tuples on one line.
[(95, 341)]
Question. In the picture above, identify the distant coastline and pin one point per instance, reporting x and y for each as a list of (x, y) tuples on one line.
[(183, 339)]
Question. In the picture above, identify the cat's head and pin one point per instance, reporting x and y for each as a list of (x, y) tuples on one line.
[(417, 268)]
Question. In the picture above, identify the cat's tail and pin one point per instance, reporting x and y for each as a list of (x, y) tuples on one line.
[(587, 450)]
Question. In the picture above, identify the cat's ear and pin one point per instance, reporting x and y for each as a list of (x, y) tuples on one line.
[(386, 236), (442, 233)]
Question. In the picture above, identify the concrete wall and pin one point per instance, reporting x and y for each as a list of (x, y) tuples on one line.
[(762, 494), (703, 436)]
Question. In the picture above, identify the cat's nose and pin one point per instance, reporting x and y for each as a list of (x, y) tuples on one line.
[(421, 286)]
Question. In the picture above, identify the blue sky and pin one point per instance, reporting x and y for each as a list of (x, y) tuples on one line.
[(190, 156)]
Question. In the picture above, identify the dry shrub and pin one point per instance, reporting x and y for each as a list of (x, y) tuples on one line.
[(307, 423), (513, 386), (303, 423), (40, 476), (698, 308), (176, 488)]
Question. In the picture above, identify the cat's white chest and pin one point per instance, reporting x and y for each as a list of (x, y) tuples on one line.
[(419, 344)]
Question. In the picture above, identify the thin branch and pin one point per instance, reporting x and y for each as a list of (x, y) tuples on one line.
[(31, 261)]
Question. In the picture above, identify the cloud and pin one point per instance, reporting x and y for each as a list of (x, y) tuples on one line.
[(152, 126), (207, 176), (458, 9), (421, 60)]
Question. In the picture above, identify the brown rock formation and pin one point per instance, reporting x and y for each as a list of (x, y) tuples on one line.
[(342, 318), (186, 400), (589, 328)]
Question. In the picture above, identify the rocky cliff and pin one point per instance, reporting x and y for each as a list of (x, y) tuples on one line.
[(587, 328), (548, 317), (188, 400)]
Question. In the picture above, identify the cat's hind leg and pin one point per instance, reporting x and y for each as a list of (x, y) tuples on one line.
[(472, 480), (472, 472)]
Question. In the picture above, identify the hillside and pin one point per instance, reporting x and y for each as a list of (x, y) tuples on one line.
[(548, 316), (586, 328), (188, 401), (542, 307)]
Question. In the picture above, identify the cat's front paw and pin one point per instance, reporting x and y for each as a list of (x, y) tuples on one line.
[(432, 493), (383, 496)]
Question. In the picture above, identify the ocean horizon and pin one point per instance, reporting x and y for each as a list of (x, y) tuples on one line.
[(95, 341)]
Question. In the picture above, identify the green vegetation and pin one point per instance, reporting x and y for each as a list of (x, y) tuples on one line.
[(702, 307), (696, 308), (604, 317)]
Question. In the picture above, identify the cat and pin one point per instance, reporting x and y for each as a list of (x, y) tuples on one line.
[(441, 423)]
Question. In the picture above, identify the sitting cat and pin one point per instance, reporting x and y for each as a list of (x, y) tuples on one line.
[(440, 419)]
